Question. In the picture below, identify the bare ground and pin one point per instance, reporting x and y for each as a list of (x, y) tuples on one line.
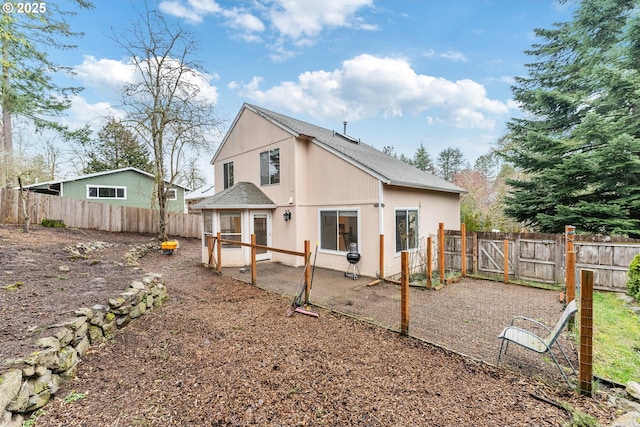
[(221, 352)]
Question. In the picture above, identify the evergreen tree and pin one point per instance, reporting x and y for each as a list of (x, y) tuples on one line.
[(27, 87), (578, 146), (422, 160), (450, 161), (117, 148)]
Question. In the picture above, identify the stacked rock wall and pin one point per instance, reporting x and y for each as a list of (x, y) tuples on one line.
[(31, 381)]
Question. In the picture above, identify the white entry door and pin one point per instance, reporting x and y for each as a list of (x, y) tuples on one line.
[(261, 227)]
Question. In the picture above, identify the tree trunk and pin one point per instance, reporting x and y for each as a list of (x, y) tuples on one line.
[(24, 194), (7, 134)]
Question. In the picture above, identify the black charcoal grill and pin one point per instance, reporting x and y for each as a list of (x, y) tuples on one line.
[(354, 258)]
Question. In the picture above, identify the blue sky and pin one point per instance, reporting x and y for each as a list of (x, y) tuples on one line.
[(401, 72)]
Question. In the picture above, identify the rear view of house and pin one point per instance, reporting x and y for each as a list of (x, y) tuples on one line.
[(287, 181)]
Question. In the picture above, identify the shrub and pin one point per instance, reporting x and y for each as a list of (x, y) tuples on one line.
[(55, 223), (633, 284)]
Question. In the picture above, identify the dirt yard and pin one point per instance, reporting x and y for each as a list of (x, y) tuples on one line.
[(221, 352)]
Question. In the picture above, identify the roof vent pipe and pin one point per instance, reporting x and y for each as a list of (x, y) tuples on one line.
[(345, 127)]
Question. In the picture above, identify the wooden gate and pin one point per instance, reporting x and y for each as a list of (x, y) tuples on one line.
[(491, 257)]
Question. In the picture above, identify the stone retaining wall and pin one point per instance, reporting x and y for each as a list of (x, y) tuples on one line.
[(31, 381)]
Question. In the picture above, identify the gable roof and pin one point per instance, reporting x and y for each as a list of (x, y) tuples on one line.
[(388, 169), (243, 195), (92, 175)]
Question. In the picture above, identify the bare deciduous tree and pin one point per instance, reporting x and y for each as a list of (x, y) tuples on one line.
[(166, 105)]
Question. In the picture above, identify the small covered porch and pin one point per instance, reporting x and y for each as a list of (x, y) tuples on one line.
[(237, 213)]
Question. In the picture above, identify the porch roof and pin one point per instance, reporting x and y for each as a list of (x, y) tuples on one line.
[(243, 195)]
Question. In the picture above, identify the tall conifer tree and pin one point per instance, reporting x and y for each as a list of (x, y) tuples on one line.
[(579, 141)]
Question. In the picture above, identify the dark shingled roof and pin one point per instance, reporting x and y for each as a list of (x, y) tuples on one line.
[(243, 195), (387, 168)]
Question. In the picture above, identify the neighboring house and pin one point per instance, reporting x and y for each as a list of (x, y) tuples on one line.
[(287, 181), (126, 187), (197, 195)]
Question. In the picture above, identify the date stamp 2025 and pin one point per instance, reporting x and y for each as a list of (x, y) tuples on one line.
[(24, 7)]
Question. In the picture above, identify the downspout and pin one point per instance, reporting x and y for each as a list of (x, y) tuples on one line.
[(380, 206)]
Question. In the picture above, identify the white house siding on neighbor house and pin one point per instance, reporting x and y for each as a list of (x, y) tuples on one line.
[(323, 179)]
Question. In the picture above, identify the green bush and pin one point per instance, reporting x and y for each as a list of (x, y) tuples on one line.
[(633, 284), (55, 223)]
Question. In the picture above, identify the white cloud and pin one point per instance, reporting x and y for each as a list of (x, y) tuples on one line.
[(369, 86), (307, 18), (193, 11), (109, 76), (454, 56), (299, 22), (451, 55), (241, 20), (104, 73), (82, 113)]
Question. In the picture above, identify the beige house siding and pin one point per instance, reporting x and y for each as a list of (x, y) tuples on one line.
[(329, 180), (251, 136), (433, 207)]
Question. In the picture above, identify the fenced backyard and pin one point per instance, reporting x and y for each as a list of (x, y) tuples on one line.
[(435, 303), (90, 215), (444, 303)]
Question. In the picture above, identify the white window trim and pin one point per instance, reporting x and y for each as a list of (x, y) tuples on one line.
[(338, 209), (242, 228), (227, 175), (395, 211), (106, 186), (269, 167), (175, 193)]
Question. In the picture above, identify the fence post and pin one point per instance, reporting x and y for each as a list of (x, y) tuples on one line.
[(404, 293), (307, 271), (441, 251), (253, 260), (463, 248), (219, 253), (381, 267), (570, 277), (570, 232), (586, 333), (570, 265), (505, 261), (429, 261), (211, 243)]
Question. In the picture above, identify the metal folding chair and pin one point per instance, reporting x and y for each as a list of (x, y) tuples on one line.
[(531, 341)]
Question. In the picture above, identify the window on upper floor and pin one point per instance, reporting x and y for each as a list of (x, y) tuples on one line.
[(228, 175), (270, 167), (106, 192), (172, 194)]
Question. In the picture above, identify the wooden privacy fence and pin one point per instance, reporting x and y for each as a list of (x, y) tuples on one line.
[(541, 257), (92, 215)]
